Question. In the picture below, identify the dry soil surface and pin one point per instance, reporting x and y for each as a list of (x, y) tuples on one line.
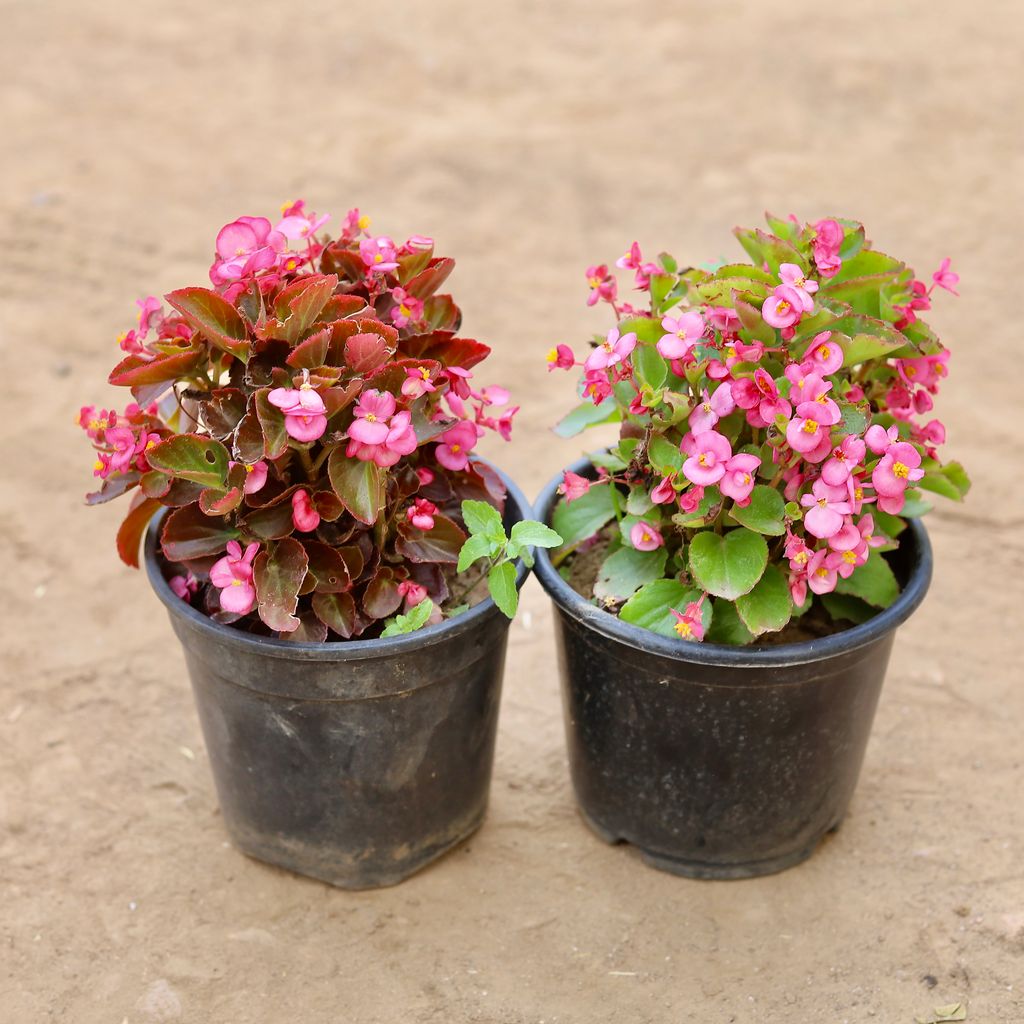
[(530, 139)]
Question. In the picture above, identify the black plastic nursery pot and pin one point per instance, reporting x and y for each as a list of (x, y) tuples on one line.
[(718, 761), (355, 762)]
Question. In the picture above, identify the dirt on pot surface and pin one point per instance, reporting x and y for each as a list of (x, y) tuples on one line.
[(532, 143)]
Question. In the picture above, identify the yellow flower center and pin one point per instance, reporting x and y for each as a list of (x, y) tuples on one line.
[(378, 257), (849, 557), (702, 459), (821, 571), (898, 469), (363, 222), (910, 371), (783, 307), (684, 629), (810, 427), (858, 493), (595, 282), (800, 558), (822, 502), (456, 448), (236, 583), (249, 469), (371, 418), (553, 356), (403, 309), (97, 464), (730, 351), (824, 352), (240, 251), (424, 373)]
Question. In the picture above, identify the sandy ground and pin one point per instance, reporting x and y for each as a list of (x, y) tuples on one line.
[(530, 139)]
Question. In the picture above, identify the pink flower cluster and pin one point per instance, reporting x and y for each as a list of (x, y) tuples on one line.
[(758, 396)]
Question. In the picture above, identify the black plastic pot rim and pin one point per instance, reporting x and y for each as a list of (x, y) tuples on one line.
[(330, 650), (727, 655)]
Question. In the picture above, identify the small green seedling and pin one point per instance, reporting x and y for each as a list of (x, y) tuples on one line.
[(487, 539)]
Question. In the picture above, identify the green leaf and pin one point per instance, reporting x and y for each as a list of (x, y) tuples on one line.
[(768, 607), (873, 582), (501, 581), (727, 626), (272, 425), (587, 415), (215, 318), (530, 533), (278, 574), (650, 366), (414, 619), (950, 480), (651, 606), (625, 571), (582, 518), (730, 565), (483, 519), (477, 546), (914, 505), (358, 484), (766, 512), (847, 607), (853, 421), (192, 457), (664, 456)]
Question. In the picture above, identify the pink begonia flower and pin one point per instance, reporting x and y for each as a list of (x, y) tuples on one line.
[(815, 392), (561, 358), (826, 507), (255, 475), (232, 575), (633, 260), (878, 438), (821, 578), (798, 586), (797, 551), (414, 593), (826, 356), (573, 485), (845, 458), (689, 500), (602, 285), (378, 254), (611, 351), (417, 382), (297, 224), (722, 319), (945, 278), (791, 274), (738, 482), (827, 242), (418, 243), (184, 586), (424, 475), (125, 446), (923, 402), (709, 454), (924, 371), (245, 246), (760, 396), (456, 444), (664, 491), (303, 410), (305, 518), (783, 308), (844, 562), (809, 434), (683, 332), (897, 468), (933, 432), (407, 308), (645, 537), (421, 514), (689, 624), (596, 386), (355, 223), (370, 425), (150, 314), (707, 413)]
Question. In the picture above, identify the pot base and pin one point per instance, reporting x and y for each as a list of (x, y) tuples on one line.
[(702, 869), (314, 862)]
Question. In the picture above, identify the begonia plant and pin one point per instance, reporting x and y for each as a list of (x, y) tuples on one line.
[(309, 421), (775, 434)]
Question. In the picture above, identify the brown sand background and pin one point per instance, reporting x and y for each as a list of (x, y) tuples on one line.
[(530, 139)]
